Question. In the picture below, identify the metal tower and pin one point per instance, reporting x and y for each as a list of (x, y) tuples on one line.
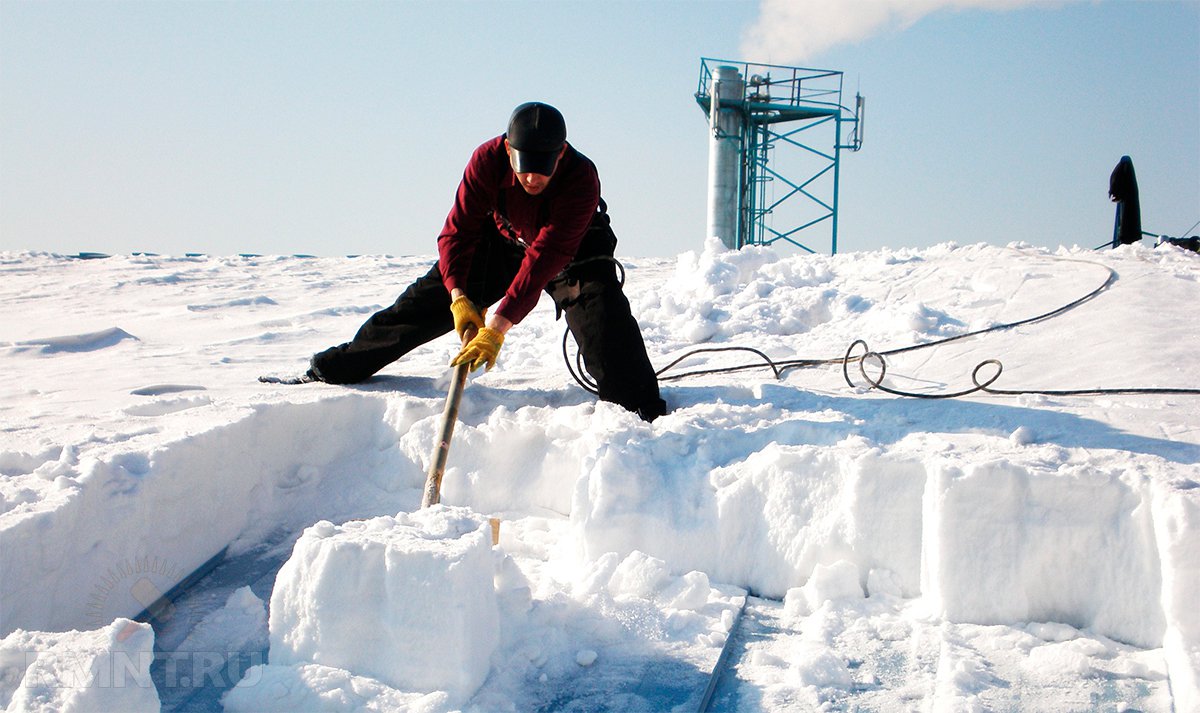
[(755, 145)]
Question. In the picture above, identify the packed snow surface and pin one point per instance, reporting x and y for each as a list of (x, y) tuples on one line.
[(848, 549)]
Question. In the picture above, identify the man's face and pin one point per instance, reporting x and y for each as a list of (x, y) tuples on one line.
[(533, 183)]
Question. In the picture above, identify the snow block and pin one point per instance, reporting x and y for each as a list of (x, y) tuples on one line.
[(409, 600), (103, 670), (765, 521), (1006, 543)]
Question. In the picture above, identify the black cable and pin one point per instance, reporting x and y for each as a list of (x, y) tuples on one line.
[(779, 368), (704, 350), (580, 376), (1112, 277), (985, 387), (878, 357), (877, 383)]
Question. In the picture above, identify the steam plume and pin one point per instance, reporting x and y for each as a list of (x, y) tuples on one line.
[(791, 31)]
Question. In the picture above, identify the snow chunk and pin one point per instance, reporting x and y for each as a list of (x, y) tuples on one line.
[(836, 582), (409, 600), (817, 665), (639, 576), (1022, 436), (688, 592), (1053, 632), (586, 657), (102, 670), (832, 583), (240, 624)]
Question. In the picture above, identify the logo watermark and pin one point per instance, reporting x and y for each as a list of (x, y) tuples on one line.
[(125, 669), (145, 580)]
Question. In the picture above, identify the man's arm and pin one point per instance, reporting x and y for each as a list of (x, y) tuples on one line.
[(473, 202)]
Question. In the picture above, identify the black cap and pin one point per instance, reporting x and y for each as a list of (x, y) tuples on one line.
[(536, 135)]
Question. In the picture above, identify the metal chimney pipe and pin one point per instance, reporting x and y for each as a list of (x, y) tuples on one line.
[(724, 154)]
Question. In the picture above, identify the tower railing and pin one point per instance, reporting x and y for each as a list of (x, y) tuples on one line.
[(746, 104)]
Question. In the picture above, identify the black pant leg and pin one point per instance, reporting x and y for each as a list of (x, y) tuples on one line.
[(612, 347), (420, 315)]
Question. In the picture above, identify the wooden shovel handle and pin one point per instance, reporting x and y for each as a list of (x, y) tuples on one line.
[(441, 448)]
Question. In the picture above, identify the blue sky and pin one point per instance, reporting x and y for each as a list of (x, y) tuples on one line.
[(342, 128)]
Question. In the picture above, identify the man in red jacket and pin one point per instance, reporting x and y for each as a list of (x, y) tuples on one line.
[(527, 218)]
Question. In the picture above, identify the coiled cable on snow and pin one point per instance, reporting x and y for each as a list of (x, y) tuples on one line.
[(779, 368)]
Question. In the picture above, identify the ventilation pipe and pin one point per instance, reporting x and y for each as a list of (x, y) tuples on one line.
[(726, 122)]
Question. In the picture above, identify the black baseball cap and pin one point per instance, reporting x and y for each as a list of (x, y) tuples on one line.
[(536, 135)]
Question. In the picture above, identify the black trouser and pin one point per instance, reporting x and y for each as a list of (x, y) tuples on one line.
[(596, 309)]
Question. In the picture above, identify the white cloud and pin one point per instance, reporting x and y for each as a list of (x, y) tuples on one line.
[(789, 31)]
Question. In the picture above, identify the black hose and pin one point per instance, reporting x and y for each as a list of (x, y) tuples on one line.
[(779, 368)]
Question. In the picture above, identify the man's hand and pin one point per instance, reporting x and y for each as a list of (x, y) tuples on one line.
[(466, 315), (483, 349)]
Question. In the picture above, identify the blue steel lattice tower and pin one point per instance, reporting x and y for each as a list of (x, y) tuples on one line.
[(768, 181)]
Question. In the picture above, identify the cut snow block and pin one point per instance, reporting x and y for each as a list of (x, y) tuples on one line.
[(1006, 543), (407, 600)]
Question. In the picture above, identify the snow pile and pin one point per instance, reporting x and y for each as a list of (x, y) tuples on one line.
[(1002, 552)]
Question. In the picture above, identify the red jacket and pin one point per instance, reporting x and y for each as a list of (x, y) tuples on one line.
[(551, 225)]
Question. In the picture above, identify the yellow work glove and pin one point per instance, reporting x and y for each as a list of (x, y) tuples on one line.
[(481, 350), (466, 315)]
